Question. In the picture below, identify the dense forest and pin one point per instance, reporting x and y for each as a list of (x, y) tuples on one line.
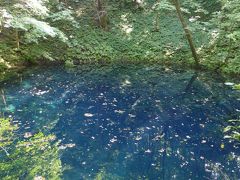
[(127, 41), (186, 33)]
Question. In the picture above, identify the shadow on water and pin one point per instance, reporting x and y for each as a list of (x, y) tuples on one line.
[(134, 122)]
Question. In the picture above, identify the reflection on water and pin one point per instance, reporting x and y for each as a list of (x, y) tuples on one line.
[(130, 122)]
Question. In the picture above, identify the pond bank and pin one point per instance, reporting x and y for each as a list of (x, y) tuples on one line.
[(20, 68)]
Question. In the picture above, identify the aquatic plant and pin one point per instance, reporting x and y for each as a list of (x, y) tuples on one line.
[(237, 87), (233, 130)]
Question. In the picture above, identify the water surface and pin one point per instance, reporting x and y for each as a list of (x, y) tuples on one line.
[(130, 122)]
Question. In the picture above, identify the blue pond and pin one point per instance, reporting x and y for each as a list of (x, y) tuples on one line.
[(130, 122)]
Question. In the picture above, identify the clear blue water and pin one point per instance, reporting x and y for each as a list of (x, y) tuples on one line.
[(130, 122)]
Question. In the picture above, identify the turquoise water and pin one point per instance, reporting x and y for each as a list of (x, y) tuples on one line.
[(128, 122)]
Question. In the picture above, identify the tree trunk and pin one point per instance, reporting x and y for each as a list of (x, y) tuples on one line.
[(102, 18), (1, 26), (17, 39), (99, 5), (157, 23), (187, 33), (3, 97)]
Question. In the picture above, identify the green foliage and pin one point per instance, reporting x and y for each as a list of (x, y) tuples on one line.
[(27, 23), (164, 5), (36, 30), (6, 132), (28, 158), (69, 64), (224, 39), (138, 31)]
